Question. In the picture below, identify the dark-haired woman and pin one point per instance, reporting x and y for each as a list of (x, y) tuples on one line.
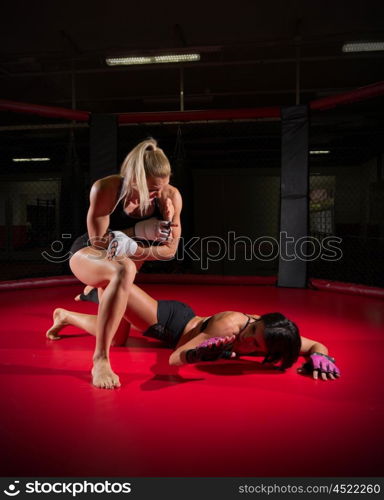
[(224, 335)]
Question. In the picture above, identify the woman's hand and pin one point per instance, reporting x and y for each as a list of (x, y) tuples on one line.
[(167, 209), (120, 246), (154, 230), (211, 350), (320, 363)]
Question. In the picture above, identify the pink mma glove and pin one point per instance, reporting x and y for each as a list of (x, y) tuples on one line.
[(211, 350), (322, 363)]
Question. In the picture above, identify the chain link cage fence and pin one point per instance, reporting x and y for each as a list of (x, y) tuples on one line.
[(44, 195), (347, 192), (228, 173)]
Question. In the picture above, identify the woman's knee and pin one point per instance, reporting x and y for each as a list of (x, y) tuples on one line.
[(123, 271), (99, 273)]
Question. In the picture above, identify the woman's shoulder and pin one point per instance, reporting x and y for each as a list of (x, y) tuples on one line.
[(229, 317), (228, 314), (224, 323), (105, 192), (109, 182)]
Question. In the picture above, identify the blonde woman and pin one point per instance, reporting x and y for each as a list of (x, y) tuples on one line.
[(105, 259)]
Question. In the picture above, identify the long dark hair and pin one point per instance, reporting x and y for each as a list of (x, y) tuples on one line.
[(282, 339)]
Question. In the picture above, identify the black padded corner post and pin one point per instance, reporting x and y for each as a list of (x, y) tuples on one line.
[(103, 146), (294, 197)]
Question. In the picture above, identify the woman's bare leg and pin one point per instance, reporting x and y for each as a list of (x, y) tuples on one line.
[(111, 309), (87, 289), (122, 333), (141, 311), (63, 318), (116, 278), (87, 322)]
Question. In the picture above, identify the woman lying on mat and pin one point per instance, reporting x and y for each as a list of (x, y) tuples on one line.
[(224, 335)]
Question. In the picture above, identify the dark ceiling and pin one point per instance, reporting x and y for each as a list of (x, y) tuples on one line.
[(53, 52), (253, 54)]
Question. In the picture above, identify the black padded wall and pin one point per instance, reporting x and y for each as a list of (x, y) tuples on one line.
[(103, 146), (294, 197)]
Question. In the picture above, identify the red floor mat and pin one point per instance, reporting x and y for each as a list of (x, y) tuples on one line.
[(232, 418)]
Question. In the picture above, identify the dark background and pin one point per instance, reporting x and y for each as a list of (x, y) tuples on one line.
[(253, 54)]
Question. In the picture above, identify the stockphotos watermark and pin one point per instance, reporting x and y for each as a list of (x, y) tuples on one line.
[(212, 248), (73, 488)]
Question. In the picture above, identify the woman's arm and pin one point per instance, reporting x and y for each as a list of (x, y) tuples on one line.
[(167, 250), (177, 358), (318, 360), (309, 346), (102, 201), (222, 326)]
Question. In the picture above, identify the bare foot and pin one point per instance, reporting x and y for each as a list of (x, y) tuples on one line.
[(59, 322), (103, 376), (86, 290)]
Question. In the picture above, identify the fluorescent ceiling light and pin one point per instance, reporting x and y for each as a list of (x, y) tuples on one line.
[(363, 46), (165, 58), (29, 159), (319, 152)]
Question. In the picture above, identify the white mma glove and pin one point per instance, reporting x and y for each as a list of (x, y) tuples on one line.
[(121, 245), (153, 229)]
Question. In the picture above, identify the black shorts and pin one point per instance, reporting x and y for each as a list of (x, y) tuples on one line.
[(172, 317), (79, 243)]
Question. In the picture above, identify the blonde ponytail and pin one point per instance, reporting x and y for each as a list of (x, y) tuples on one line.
[(145, 160)]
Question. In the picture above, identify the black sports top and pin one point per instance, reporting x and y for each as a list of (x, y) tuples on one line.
[(119, 219)]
